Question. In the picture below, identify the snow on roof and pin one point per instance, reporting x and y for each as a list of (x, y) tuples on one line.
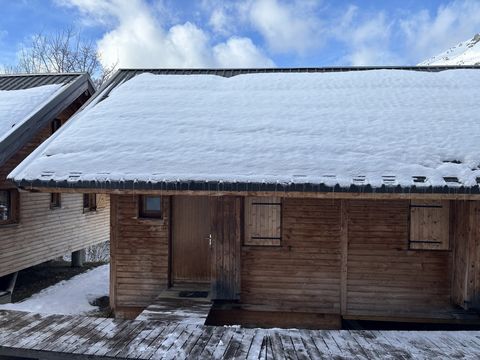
[(17, 106), (363, 127)]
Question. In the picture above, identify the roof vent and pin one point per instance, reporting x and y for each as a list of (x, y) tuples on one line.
[(359, 180), (74, 174), (389, 180), (451, 180), (419, 179), (47, 174), (452, 161)]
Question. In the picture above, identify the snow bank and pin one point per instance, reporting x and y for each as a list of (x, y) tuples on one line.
[(16, 106), (69, 296), (301, 127)]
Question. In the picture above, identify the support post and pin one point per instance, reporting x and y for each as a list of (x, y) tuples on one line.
[(78, 257), (344, 257)]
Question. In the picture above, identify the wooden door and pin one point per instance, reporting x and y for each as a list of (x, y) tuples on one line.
[(226, 247), (190, 239)]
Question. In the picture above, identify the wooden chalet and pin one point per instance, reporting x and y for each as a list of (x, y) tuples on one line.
[(37, 227), (282, 192)]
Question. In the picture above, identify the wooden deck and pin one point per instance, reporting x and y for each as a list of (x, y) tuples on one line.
[(170, 306), (75, 337)]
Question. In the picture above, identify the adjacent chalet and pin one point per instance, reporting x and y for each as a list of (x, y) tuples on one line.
[(296, 197), (36, 227)]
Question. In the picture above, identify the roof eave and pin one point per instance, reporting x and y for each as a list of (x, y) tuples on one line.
[(241, 187)]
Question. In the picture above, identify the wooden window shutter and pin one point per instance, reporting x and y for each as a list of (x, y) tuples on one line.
[(263, 221), (429, 225)]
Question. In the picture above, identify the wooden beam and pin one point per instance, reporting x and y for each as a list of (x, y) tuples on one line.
[(113, 252), (344, 256), (286, 194)]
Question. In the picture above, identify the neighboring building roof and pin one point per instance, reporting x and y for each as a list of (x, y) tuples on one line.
[(30, 101), (378, 129)]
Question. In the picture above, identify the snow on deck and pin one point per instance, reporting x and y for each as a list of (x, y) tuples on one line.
[(316, 128), (75, 337), (68, 297), (16, 106)]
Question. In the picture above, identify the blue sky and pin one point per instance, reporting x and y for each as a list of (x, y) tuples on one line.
[(213, 33)]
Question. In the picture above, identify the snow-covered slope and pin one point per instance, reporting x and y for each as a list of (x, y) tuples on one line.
[(465, 53)]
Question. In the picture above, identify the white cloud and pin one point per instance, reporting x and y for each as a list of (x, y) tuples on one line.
[(136, 38), (286, 26), (240, 52), (219, 21), (427, 35), (366, 40)]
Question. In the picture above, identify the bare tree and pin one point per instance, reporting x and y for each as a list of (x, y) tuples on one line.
[(64, 51)]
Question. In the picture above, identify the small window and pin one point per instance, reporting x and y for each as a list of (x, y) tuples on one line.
[(89, 202), (8, 206), (429, 225), (55, 200), (263, 221), (150, 207), (56, 124)]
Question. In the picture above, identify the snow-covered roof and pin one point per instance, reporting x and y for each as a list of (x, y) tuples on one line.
[(28, 102), (379, 127), (17, 106)]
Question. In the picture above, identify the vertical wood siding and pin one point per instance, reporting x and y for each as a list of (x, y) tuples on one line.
[(139, 250), (466, 255), (303, 274), (43, 234), (384, 277)]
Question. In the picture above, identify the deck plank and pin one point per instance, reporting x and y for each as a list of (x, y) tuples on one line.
[(145, 346), (122, 341), (54, 344), (207, 332), (103, 337), (53, 330), (58, 337), (136, 342), (212, 343), (276, 346), (80, 335), (256, 345), (179, 347), (168, 341), (157, 342)]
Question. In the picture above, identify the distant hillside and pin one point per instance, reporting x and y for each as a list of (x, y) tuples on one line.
[(465, 53)]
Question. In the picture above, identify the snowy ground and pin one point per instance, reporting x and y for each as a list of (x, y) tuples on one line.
[(68, 297)]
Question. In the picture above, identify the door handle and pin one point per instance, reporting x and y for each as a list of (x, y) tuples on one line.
[(210, 240)]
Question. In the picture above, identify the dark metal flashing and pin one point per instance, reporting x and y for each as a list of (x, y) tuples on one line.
[(74, 86), (123, 75), (27, 81), (220, 186)]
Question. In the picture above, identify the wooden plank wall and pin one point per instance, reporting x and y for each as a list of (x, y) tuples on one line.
[(43, 234), (139, 254), (303, 274), (384, 276), (226, 233), (466, 254)]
